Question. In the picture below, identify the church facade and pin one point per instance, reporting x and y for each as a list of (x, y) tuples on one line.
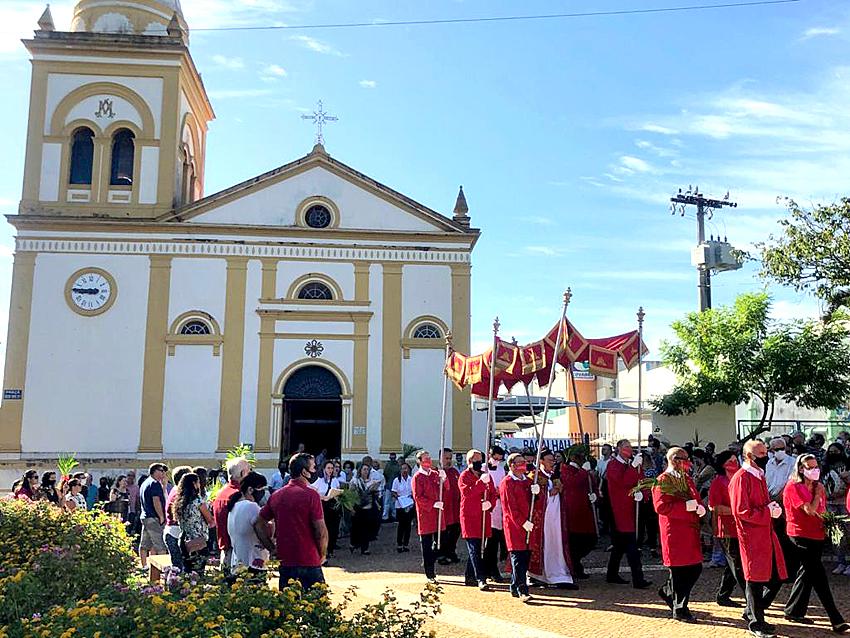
[(308, 305)]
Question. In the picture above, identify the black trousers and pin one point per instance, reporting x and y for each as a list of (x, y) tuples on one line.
[(680, 582), (734, 573), (792, 563), (475, 563), (760, 596), (429, 554), (332, 521), (648, 519), (495, 550), (580, 546), (448, 541), (361, 529), (625, 543), (810, 575), (519, 577), (405, 520)]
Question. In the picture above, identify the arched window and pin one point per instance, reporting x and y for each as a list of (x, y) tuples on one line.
[(195, 327), (82, 156), (315, 290), (123, 153), (427, 331)]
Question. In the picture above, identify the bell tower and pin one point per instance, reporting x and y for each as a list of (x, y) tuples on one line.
[(118, 113)]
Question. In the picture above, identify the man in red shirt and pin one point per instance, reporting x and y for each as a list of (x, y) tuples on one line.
[(477, 499), (426, 496), (622, 474), (515, 493), (451, 512), (237, 469), (726, 465), (761, 553), (301, 536), (678, 524)]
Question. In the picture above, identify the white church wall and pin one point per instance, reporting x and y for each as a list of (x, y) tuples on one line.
[(149, 177), (250, 353), (421, 400), (376, 352), (276, 205), (339, 353), (60, 84), (85, 110), (312, 327), (191, 402), (51, 155), (198, 284), (427, 290), (84, 374), (289, 271)]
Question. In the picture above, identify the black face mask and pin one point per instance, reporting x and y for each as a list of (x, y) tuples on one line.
[(762, 461), (477, 465)]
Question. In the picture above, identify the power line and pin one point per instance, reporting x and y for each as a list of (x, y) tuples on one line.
[(516, 18)]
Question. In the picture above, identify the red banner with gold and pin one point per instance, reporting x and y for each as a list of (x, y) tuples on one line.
[(603, 361)]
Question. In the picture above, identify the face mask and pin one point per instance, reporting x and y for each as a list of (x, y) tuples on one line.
[(761, 461), (426, 464), (626, 454), (812, 474), (780, 455), (258, 494), (520, 469), (477, 465), (730, 469), (687, 466)]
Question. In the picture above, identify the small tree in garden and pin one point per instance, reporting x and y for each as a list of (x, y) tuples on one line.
[(731, 354)]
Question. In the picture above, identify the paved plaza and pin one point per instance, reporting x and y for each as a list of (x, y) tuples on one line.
[(598, 609)]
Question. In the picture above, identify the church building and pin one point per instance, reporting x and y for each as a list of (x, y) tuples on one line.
[(150, 320)]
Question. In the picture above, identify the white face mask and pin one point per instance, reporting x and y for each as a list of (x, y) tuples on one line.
[(812, 474), (780, 455)]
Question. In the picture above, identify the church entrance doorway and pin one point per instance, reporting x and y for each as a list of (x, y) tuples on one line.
[(312, 413)]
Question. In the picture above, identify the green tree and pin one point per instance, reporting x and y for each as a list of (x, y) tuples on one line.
[(813, 252), (731, 354)]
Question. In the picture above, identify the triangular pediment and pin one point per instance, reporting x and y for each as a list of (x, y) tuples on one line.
[(279, 198)]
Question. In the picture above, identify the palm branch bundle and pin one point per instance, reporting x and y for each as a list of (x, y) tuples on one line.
[(347, 500), (66, 463), (835, 526), (672, 486)]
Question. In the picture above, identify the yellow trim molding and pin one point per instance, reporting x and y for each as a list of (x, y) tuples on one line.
[(230, 412), (344, 383), (262, 427), (461, 399), (391, 364), (409, 342)]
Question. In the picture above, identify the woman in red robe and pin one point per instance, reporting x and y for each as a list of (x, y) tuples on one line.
[(679, 527), (726, 464), (761, 553), (515, 495)]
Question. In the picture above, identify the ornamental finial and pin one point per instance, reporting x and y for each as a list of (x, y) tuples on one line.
[(568, 294), (496, 326), (640, 315)]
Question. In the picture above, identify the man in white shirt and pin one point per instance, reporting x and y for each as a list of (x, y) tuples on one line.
[(402, 494), (602, 464), (495, 549), (778, 471)]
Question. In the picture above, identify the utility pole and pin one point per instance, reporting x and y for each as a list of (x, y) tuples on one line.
[(705, 206)]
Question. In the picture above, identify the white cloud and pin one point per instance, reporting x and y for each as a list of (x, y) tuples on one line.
[(368, 84), (224, 62), (545, 251), (656, 128), (814, 32), (316, 45), (272, 73), (634, 164)]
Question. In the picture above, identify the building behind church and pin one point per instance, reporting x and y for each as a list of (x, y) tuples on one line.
[(149, 320)]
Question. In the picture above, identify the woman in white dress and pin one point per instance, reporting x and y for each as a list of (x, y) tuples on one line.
[(249, 551)]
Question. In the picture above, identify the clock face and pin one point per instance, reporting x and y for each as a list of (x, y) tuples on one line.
[(90, 291)]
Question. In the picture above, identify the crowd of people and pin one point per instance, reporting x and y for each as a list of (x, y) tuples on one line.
[(755, 510)]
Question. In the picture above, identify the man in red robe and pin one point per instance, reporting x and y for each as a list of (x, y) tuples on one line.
[(578, 498), (451, 511), (515, 495), (550, 551), (477, 500), (623, 473), (761, 553), (679, 516), (426, 496), (726, 463)]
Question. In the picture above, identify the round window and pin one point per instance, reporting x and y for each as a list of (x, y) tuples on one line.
[(318, 216)]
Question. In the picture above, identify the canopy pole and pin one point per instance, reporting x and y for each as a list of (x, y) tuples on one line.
[(561, 325), (491, 428), (640, 315), (443, 433)]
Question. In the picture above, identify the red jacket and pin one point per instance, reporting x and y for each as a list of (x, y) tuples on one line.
[(759, 544), (678, 528), (622, 477), (718, 494), (451, 497), (576, 486), (516, 506), (426, 492), (472, 494)]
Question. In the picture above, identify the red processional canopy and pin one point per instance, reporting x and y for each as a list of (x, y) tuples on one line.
[(522, 364)]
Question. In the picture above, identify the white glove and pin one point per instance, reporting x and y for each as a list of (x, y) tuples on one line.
[(691, 505), (535, 489), (438, 505), (528, 526), (637, 460), (638, 497), (700, 510), (775, 509), (485, 478), (442, 474), (592, 497), (586, 466), (486, 505)]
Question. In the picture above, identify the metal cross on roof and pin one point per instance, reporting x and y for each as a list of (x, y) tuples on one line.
[(320, 117)]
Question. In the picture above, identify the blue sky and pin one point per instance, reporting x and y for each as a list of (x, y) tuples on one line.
[(568, 135)]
